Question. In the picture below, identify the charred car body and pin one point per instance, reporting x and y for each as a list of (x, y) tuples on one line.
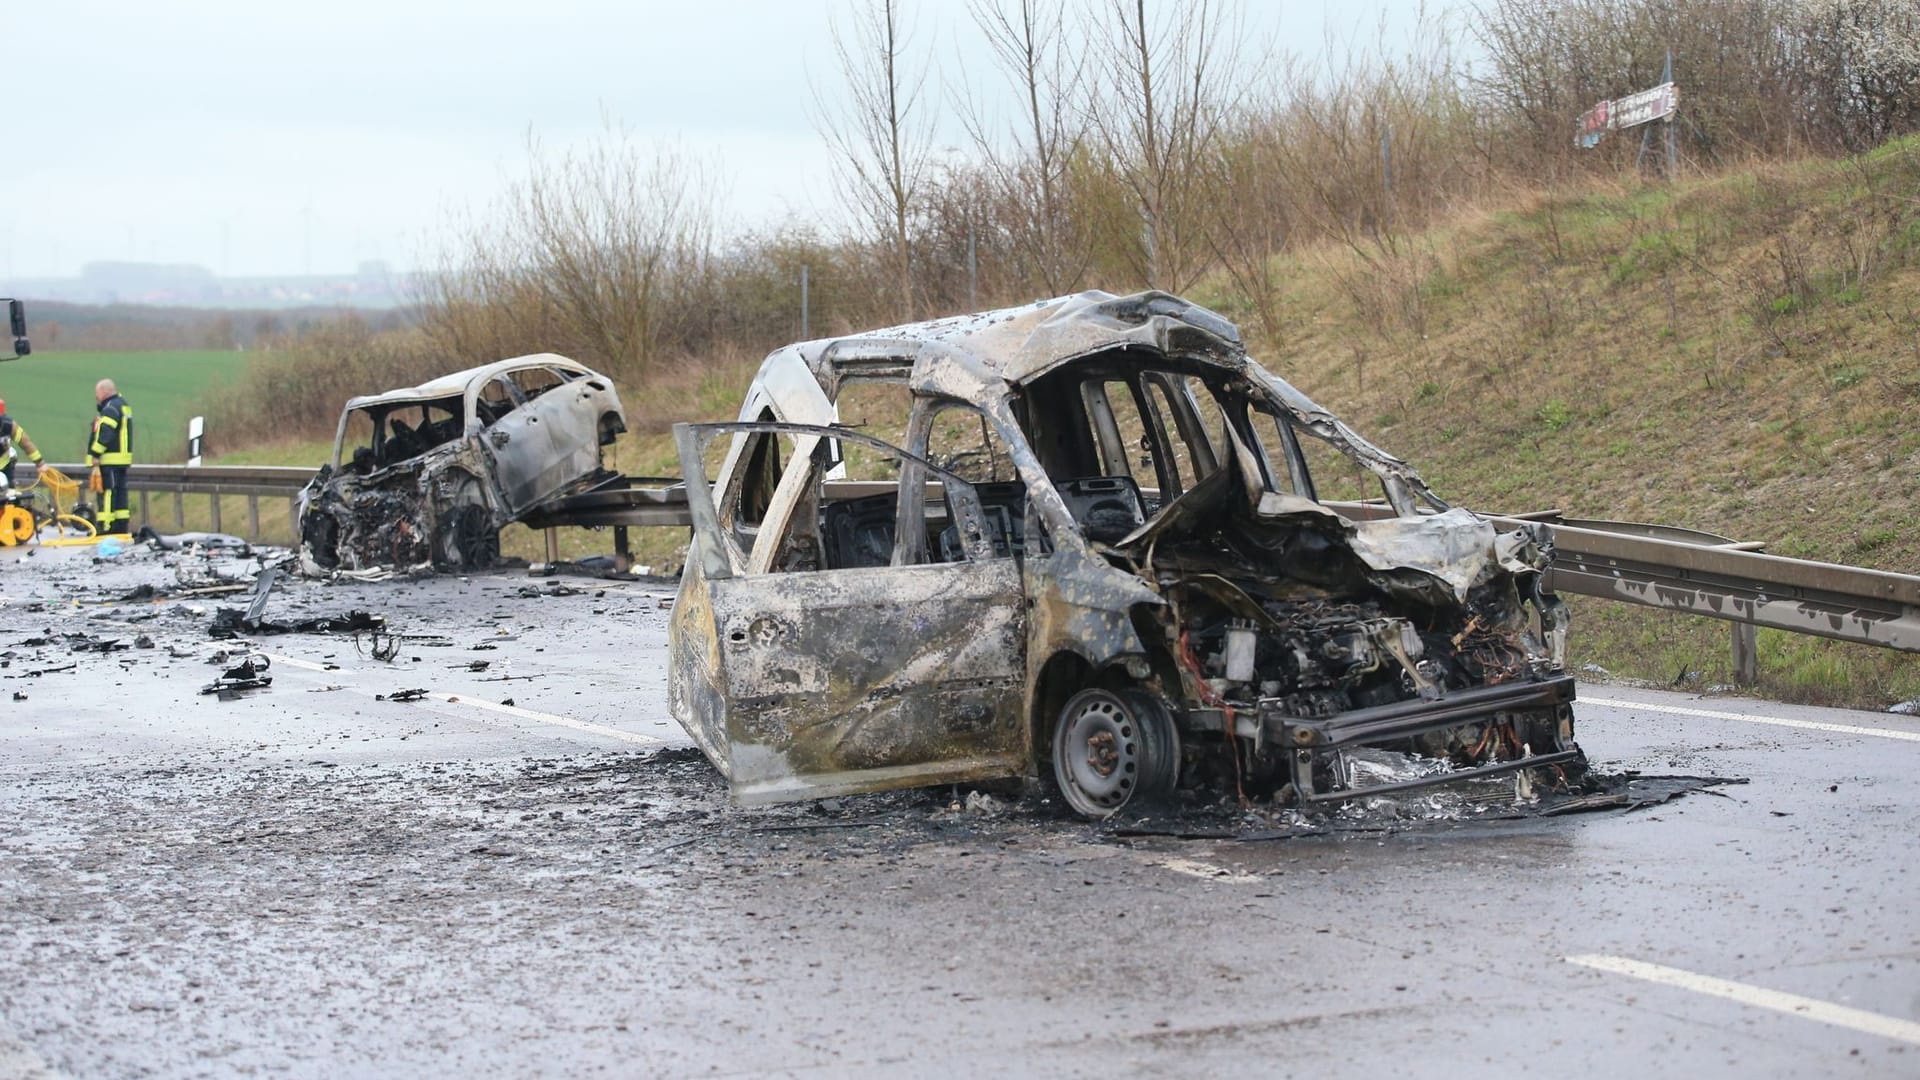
[(1129, 583), (430, 474)]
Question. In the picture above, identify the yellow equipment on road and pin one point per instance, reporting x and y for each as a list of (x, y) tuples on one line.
[(23, 515), (16, 525)]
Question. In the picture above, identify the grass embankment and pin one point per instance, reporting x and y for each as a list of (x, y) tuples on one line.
[(52, 395), (1739, 354)]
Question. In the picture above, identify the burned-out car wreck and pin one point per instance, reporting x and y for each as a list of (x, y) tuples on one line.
[(1100, 559), (429, 475)]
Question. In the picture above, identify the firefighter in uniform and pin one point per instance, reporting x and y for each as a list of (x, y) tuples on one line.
[(13, 439), (110, 453)]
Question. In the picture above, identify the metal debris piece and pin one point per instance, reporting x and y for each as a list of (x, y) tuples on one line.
[(249, 674), (414, 694), (384, 645), (188, 541), (381, 645), (262, 589), (232, 623)]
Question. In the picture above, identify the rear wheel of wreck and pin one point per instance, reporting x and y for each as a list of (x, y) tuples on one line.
[(1114, 749)]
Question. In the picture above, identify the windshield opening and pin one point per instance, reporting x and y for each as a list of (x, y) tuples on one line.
[(380, 436)]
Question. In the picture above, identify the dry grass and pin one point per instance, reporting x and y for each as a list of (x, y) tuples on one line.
[(1739, 353)]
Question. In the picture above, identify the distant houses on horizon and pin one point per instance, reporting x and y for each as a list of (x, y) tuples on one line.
[(373, 285)]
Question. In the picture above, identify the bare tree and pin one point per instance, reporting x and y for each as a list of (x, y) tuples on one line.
[(593, 250), (881, 135), (1030, 169), (1156, 108)]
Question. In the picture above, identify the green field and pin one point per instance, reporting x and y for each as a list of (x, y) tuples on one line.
[(51, 394)]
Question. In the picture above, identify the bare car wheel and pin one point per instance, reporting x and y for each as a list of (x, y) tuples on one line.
[(1114, 749), (467, 539)]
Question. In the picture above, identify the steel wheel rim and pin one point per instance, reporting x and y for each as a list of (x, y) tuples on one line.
[(1100, 754)]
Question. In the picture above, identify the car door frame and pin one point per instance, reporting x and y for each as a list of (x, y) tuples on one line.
[(512, 471), (775, 674)]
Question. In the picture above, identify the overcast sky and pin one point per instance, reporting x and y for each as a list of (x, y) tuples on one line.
[(270, 138)]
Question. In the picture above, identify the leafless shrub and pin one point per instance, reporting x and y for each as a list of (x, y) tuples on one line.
[(597, 253), (882, 134), (1028, 163), (1162, 90)]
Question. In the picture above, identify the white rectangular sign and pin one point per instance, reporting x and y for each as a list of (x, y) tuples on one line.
[(1644, 107)]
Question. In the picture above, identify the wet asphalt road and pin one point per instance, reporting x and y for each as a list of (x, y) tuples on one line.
[(311, 882)]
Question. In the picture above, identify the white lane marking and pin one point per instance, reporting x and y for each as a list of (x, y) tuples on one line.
[(490, 706), (294, 661), (546, 718), (1206, 871), (1826, 1012), (1776, 721)]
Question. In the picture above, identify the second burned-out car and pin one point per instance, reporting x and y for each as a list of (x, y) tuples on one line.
[(1095, 551), (431, 473)]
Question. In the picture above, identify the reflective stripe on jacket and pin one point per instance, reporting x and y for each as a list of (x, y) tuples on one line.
[(113, 433), (13, 439)]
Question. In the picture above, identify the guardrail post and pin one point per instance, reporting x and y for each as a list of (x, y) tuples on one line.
[(1746, 654), (214, 500), (145, 518), (553, 546), (253, 517), (293, 518), (179, 512)]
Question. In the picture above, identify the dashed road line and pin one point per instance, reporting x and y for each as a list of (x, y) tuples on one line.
[(1206, 871), (1753, 718), (547, 718), (307, 665), (1759, 997), (536, 715)]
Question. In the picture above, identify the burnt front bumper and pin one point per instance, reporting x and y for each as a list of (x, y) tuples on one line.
[(1541, 709)]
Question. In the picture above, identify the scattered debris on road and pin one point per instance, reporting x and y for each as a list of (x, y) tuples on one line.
[(232, 623), (249, 674)]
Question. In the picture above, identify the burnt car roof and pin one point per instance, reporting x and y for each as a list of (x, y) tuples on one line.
[(964, 354), (986, 356), (457, 382)]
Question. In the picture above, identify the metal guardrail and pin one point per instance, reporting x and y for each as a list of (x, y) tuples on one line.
[(251, 482), (1658, 566)]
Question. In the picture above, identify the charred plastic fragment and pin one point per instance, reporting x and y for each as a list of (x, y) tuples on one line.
[(1099, 554)]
